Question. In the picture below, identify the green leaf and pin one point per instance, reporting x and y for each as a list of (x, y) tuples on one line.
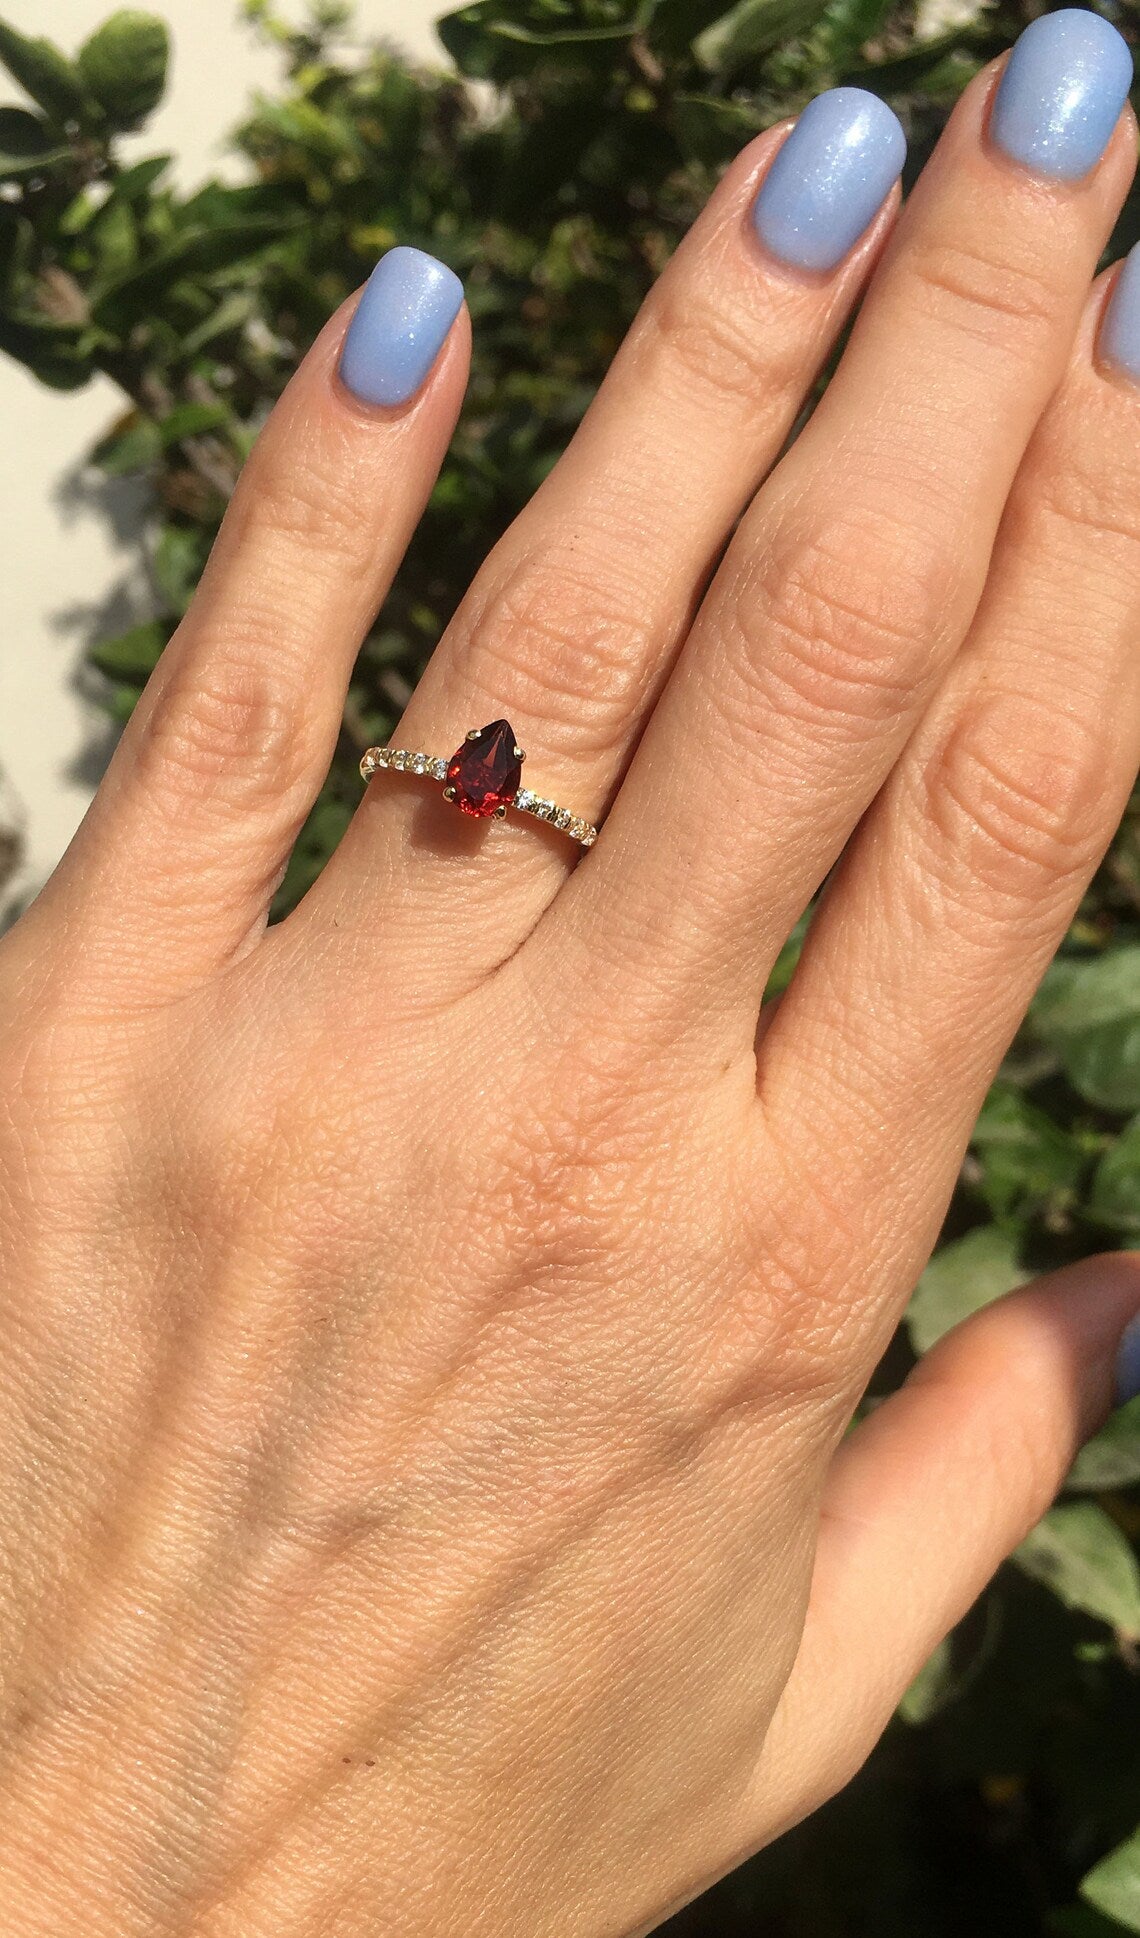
[(232, 313), (1079, 995), (130, 446), (847, 24), (114, 239), (120, 701), (134, 655), (178, 559), (575, 36), (1113, 1885), (1089, 1012), (962, 1278), (1081, 1921), (46, 74), (1080, 1554), (677, 23), (136, 182), (946, 1677), (27, 145), (711, 130), (784, 966), (1027, 1161), (937, 69), (1113, 1458), (51, 351), (192, 420), (753, 28), (198, 253), (488, 43), (124, 66), (80, 213), (1115, 1196), (932, 1687)]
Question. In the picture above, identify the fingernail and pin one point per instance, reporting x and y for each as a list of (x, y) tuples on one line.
[(408, 305), (1120, 330), (1062, 92), (830, 178), (1128, 1365)]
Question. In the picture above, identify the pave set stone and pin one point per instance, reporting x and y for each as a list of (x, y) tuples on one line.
[(402, 762), (560, 818), (482, 778)]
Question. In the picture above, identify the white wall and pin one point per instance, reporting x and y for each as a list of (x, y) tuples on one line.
[(57, 557)]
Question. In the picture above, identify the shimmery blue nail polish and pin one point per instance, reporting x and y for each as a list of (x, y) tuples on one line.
[(408, 305), (1120, 330), (1062, 92), (1128, 1365), (829, 179)]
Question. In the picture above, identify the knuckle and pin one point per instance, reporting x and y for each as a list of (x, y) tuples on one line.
[(1014, 796), (586, 1145), (798, 1302), (982, 296), (841, 625), (552, 641), (723, 356), (227, 731), (315, 511), (1080, 494)]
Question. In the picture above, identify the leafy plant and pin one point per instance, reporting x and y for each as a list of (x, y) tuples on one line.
[(558, 193)]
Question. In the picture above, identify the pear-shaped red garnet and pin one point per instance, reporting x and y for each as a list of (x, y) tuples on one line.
[(484, 774)]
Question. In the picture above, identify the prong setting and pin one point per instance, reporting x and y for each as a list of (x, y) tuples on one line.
[(401, 760)]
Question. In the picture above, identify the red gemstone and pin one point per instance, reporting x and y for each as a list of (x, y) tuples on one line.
[(486, 771)]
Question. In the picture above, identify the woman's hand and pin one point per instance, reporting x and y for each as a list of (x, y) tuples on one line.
[(429, 1325)]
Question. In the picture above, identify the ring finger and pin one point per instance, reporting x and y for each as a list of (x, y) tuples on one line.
[(570, 628)]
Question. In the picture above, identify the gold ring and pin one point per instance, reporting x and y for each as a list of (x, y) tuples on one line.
[(482, 779)]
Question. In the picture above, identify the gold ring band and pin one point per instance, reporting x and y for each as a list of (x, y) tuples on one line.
[(482, 779)]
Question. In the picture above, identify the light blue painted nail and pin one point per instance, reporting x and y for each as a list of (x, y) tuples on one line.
[(1128, 1365), (1060, 97), (829, 179), (408, 305), (1120, 330)]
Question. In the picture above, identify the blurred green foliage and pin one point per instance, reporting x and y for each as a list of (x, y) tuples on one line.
[(1007, 1796)]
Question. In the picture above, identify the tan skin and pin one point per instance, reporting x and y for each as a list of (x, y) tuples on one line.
[(430, 1325)]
